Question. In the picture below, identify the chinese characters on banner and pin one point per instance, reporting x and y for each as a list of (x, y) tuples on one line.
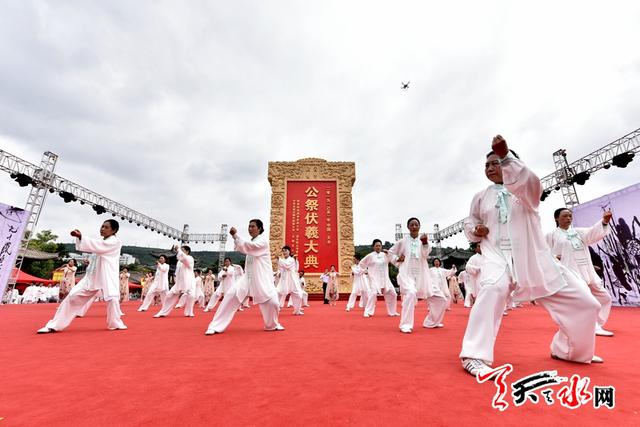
[(311, 227), (12, 223)]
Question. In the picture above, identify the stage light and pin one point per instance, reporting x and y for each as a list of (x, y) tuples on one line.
[(607, 165), (122, 218), (67, 197), (557, 187), (99, 209), (82, 202), (138, 224), (13, 175), (51, 190), (623, 159), (23, 180), (581, 178), (544, 195)]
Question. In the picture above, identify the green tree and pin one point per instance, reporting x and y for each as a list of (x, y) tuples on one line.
[(44, 241)]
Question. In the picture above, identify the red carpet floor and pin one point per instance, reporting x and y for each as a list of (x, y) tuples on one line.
[(328, 368)]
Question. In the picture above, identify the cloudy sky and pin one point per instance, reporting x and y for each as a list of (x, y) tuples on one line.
[(174, 108)]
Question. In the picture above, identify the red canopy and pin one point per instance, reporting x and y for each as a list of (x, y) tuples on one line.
[(27, 279)]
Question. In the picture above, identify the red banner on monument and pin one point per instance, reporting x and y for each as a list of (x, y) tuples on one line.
[(311, 226)]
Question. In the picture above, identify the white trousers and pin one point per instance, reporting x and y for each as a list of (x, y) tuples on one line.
[(369, 299), (230, 305), (572, 308), (391, 300), (352, 299), (604, 299), (75, 303), (170, 301), (296, 298), (437, 306), (148, 299)]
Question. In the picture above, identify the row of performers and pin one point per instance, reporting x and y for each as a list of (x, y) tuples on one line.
[(517, 261)]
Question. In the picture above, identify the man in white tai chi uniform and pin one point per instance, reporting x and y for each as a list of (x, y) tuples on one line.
[(504, 218)]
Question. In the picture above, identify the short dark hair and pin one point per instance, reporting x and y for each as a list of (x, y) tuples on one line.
[(557, 212), (287, 247), (186, 249), (411, 219), (162, 256), (437, 259), (258, 224), (197, 270), (226, 258), (115, 225), (356, 256), (376, 241)]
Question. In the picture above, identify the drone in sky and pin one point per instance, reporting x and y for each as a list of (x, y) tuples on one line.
[(404, 86)]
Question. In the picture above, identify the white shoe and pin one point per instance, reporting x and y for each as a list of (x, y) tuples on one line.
[(475, 366), (279, 327), (209, 332), (206, 310), (307, 305), (189, 315), (603, 333), (298, 314), (45, 330), (394, 314), (348, 309), (159, 315), (405, 330), (122, 328), (366, 315), (140, 310), (440, 325), (597, 359)]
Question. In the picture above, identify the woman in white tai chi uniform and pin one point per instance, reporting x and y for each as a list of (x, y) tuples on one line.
[(305, 294), (359, 285), (571, 246), (333, 290), (101, 276), (257, 282), (440, 276), (68, 278), (199, 295), (185, 284), (410, 255), (472, 270), (377, 265), (504, 217), (228, 275), (159, 286), (289, 281)]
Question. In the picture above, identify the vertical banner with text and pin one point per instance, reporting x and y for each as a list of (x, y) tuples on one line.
[(312, 224), (12, 223)]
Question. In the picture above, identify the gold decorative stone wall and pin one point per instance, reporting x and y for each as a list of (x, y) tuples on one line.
[(313, 169)]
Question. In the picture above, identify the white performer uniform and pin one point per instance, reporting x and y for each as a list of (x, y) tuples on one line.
[(257, 282), (227, 278), (185, 284), (377, 266), (440, 277), (472, 270), (289, 283), (102, 276), (358, 287), (159, 286), (516, 256), (305, 294), (199, 295), (414, 278), (572, 247)]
